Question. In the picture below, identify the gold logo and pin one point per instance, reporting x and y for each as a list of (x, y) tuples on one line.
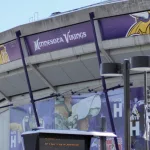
[(4, 57), (141, 25)]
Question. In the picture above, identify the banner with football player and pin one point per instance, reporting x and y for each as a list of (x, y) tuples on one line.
[(83, 112), (22, 119)]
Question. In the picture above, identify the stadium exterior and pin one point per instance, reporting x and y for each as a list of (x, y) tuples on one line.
[(61, 55)]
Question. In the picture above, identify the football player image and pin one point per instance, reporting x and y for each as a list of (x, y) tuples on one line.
[(137, 108), (28, 122), (82, 112), (63, 110), (79, 118), (141, 25), (22, 119), (137, 114)]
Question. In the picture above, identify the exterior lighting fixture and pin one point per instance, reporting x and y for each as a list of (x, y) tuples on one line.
[(136, 63)]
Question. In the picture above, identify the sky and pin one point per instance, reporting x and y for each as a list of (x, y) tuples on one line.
[(17, 12)]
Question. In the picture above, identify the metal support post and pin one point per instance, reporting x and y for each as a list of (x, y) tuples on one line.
[(103, 143), (18, 34), (127, 138), (103, 129), (6, 106), (146, 106), (103, 80)]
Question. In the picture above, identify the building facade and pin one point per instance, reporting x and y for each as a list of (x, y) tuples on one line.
[(61, 57)]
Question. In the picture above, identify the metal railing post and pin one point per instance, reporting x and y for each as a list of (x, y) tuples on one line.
[(103, 79), (18, 34)]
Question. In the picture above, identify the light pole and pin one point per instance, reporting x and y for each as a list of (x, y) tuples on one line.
[(137, 63), (142, 64)]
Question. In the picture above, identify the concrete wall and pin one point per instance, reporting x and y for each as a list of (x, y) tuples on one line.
[(76, 17), (73, 18), (4, 130)]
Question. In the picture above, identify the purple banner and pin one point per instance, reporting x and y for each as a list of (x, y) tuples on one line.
[(67, 113), (125, 25), (22, 119), (60, 38), (94, 108), (9, 52)]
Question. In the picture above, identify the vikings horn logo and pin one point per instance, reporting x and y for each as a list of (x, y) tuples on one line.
[(141, 25)]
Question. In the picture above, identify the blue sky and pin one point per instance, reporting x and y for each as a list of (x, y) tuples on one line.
[(17, 12)]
